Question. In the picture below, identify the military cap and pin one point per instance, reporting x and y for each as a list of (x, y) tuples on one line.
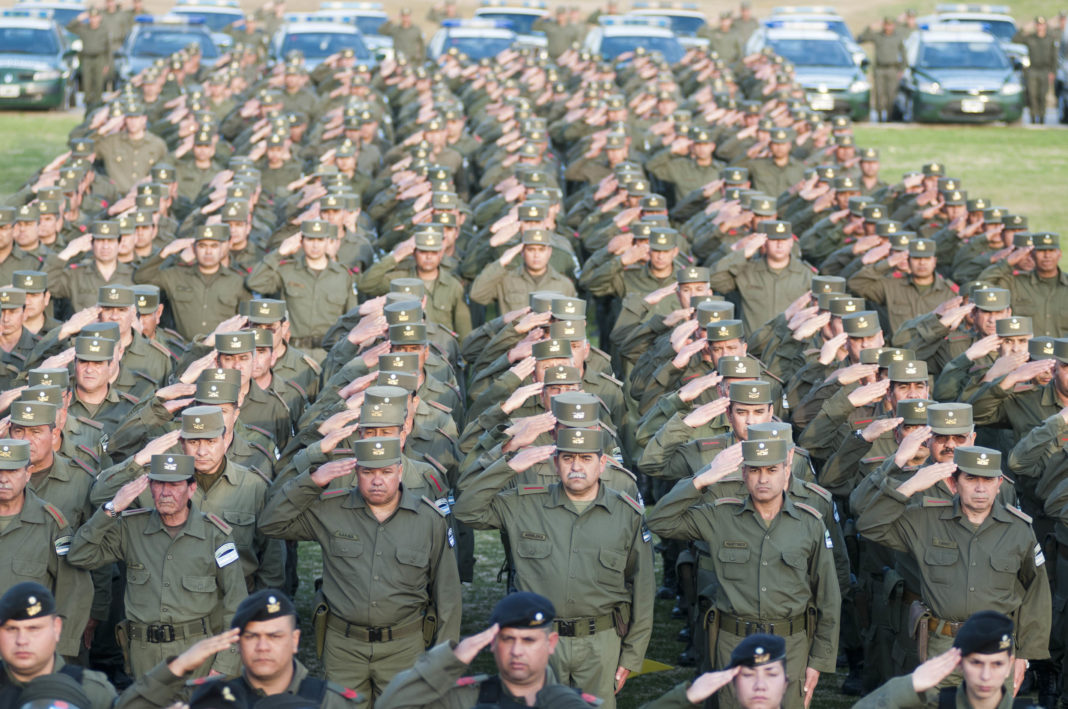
[(392, 411), (579, 440), (215, 392), (318, 229), (203, 137), (386, 394), (410, 286), (377, 452), (562, 374), (736, 367), (108, 330), (212, 232), (12, 298), (776, 229), (828, 284), (734, 175), (782, 135), (1046, 240), (115, 297), (53, 691), (947, 185), (235, 210), (29, 599), (756, 391), (868, 153), (842, 305), (49, 206), (653, 201), (81, 146), (43, 394), (408, 334), (235, 342), (955, 197), (105, 230), (203, 422), (862, 324), (913, 411), (400, 362), (171, 468), (693, 274), (163, 173), (873, 212), (569, 330), (7, 216), (772, 430), (146, 298), (27, 213), (445, 200), (523, 609), (144, 202), (758, 650), (826, 172), (952, 419), (536, 236), (846, 183), (663, 239), (710, 309), (700, 134), (976, 460), (219, 374), (616, 140), (993, 215), (761, 454), (932, 169), (985, 633), (263, 605), (94, 349), (1016, 326), (33, 413), (551, 349), (910, 370), (724, 330), (576, 409), (844, 140), (1014, 221), (48, 377), (856, 204), (429, 240), (263, 338), (1041, 348), (264, 310), (763, 206), (978, 204)]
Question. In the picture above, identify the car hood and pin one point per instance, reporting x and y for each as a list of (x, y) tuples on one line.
[(377, 41), (27, 62), (967, 79), (832, 78)]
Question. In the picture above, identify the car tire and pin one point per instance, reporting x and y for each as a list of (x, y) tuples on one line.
[(895, 109), (1062, 108), (908, 112)]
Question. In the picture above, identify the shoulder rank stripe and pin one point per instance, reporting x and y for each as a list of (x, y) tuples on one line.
[(90, 422), (434, 507), (531, 489), (218, 522), (810, 509), (84, 466), (435, 462), (332, 493), (89, 451), (1019, 513), (439, 406), (56, 514), (437, 483), (818, 489), (936, 502), (136, 511), (473, 679), (728, 501), (632, 502)]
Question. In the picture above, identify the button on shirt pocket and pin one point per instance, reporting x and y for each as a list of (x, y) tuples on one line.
[(939, 564), (733, 562), (613, 564)]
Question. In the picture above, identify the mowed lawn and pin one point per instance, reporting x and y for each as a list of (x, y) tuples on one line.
[(29, 141)]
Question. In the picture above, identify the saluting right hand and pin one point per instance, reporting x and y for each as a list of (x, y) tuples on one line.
[(328, 472), (202, 651), (531, 456), (129, 492), (709, 683), (157, 446), (721, 466)]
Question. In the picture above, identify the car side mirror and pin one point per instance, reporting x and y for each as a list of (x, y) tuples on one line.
[(865, 63)]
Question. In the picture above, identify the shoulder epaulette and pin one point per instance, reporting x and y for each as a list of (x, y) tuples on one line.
[(345, 692), (333, 493), (56, 514), (803, 452), (447, 436), (531, 489), (861, 422), (771, 376), (264, 476), (130, 397), (162, 349), (90, 422), (437, 483), (638, 507), (312, 363), (709, 443), (473, 679), (610, 378), (1019, 513), (439, 406), (257, 429), (435, 462), (218, 522), (203, 680), (84, 466), (434, 507), (873, 459), (810, 509), (135, 511), (728, 501), (936, 502), (821, 491), (298, 387), (143, 375)]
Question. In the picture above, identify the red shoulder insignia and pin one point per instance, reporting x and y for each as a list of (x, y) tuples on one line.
[(898, 274), (84, 466), (862, 422), (333, 493), (130, 397), (937, 502), (86, 449), (437, 483), (710, 443), (298, 387), (954, 287), (1019, 513), (810, 509), (729, 501), (218, 522), (639, 507), (435, 462), (450, 438), (532, 489), (439, 406), (56, 514)]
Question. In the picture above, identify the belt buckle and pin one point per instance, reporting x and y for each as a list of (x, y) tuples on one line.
[(755, 627), (566, 628), (374, 635), (159, 633)]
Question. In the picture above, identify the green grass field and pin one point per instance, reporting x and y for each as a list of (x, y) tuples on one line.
[(29, 141)]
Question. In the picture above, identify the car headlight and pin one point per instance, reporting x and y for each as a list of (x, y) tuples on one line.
[(929, 87), (1011, 88), (46, 75), (859, 86)]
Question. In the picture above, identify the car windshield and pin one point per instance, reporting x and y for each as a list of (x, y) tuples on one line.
[(685, 25), (669, 47), (1004, 30), (164, 41), (962, 55), (368, 24), (812, 52), (27, 40), (840, 28), (214, 21), (316, 45), (478, 47), (518, 23)]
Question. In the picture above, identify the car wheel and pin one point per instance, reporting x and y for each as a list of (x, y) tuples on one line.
[(71, 100), (908, 111), (896, 113), (1062, 107)]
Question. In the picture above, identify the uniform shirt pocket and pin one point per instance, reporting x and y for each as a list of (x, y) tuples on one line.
[(1006, 569), (532, 545), (412, 567), (199, 584), (940, 563), (29, 568), (733, 562), (346, 547), (612, 567), (137, 576)]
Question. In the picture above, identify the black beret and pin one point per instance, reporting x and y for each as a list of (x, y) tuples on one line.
[(26, 600), (757, 650), (268, 604), (985, 632), (52, 690), (218, 694), (286, 701), (523, 609)]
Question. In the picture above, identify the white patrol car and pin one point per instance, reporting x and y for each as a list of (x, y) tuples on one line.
[(619, 34), (477, 38), (318, 37), (686, 19), (521, 16)]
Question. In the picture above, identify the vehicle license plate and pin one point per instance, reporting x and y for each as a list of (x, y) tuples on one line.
[(821, 102), (9, 91), (972, 105)]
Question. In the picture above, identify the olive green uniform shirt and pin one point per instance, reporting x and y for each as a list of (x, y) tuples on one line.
[(315, 299), (198, 301), (95, 684), (764, 292)]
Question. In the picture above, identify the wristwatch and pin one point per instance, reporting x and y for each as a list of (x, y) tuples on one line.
[(109, 509)]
